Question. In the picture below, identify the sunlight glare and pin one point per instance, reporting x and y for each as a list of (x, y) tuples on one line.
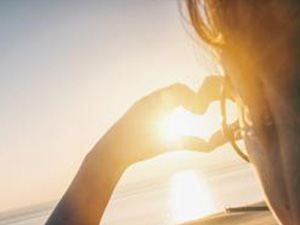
[(184, 123), (190, 197)]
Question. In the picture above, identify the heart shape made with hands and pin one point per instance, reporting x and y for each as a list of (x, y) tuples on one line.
[(182, 123)]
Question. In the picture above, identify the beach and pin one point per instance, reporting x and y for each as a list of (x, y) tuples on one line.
[(197, 188)]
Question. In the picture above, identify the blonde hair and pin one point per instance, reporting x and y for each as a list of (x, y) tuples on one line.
[(219, 21)]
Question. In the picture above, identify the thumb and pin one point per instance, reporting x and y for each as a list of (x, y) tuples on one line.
[(190, 143)]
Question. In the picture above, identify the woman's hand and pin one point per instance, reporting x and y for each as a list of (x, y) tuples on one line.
[(135, 137), (138, 134)]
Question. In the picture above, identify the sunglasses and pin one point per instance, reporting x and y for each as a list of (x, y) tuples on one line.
[(243, 128)]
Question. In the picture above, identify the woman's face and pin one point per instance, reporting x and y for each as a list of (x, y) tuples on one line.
[(266, 75)]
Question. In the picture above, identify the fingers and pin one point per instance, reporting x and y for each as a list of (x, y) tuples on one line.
[(190, 143), (169, 98), (209, 91), (177, 95), (181, 95), (217, 139), (197, 103), (196, 144)]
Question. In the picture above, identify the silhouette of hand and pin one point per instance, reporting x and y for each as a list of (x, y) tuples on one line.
[(137, 136)]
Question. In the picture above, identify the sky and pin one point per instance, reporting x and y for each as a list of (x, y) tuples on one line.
[(69, 70)]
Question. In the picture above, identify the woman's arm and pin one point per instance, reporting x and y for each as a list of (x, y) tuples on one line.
[(135, 137), (87, 197)]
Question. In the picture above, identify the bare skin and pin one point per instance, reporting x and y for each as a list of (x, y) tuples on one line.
[(264, 71), (132, 139), (268, 83)]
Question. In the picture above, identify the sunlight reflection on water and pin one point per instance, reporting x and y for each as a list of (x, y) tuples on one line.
[(190, 197)]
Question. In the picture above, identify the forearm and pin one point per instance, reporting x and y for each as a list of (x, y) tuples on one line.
[(89, 193), (132, 139)]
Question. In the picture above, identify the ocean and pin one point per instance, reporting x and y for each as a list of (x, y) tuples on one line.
[(187, 193)]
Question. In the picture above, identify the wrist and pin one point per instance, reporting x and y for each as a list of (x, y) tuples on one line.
[(107, 155), (90, 191), (97, 177)]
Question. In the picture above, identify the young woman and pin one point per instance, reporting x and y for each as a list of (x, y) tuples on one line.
[(258, 44)]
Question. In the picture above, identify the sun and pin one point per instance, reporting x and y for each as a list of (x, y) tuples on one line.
[(184, 123)]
